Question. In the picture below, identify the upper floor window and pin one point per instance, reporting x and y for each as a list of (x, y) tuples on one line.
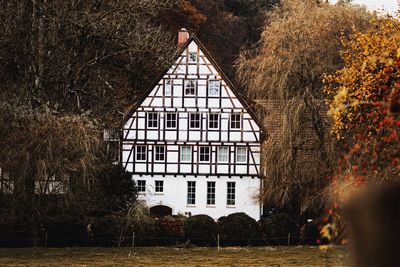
[(186, 153), (192, 57), (213, 121), (141, 153), (190, 87), (236, 121), (159, 153), (204, 154), (241, 154), (170, 120), (159, 186), (141, 185), (194, 120), (152, 119), (222, 154), (168, 87), (231, 193), (214, 87)]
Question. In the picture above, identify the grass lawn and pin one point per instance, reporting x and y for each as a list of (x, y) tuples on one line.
[(170, 256)]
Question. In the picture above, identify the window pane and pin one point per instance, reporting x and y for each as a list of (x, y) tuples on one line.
[(210, 193), (235, 121), (141, 185), (141, 153), (194, 120), (190, 87), (186, 153), (231, 193), (159, 186), (214, 87), (152, 119), (191, 193), (168, 87), (222, 154), (192, 57), (159, 153), (204, 155), (171, 120), (213, 121), (241, 154)]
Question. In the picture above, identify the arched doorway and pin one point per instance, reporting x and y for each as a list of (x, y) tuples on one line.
[(160, 211)]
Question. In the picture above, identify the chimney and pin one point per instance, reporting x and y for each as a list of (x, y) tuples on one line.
[(183, 36)]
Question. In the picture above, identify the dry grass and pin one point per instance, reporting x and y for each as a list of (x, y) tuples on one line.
[(169, 256)]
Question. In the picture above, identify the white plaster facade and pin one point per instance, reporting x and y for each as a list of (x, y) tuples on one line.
[(192, 126)]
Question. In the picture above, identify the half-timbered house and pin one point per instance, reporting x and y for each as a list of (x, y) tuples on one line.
[(192, 143)]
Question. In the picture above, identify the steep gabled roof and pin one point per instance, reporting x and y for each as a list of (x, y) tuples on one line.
[(239, 96)]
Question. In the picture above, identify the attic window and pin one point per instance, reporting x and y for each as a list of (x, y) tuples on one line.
[(214, 87), (190, 87), (192, 57), (168, 87)]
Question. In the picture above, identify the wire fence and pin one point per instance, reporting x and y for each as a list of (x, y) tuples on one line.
[(181, 241)]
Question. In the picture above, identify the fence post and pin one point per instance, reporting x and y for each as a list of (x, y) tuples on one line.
[(133, 239), (218, 242), (288, 240)]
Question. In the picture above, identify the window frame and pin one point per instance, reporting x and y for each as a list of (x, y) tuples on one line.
[(237, 154), (189, 57), (211, 186), (191, 193), (148, 120), (209, 87), (181, 153), (219, 153), (204, 155), (158, 186), (170, 86), (141, 153), (195, 121), (141, 186), (235, 122), (186, 87), (168, 120), (157, 153), (210, 121), (231, 193)]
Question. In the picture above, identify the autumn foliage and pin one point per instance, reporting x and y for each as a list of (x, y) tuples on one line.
[(364, 105)]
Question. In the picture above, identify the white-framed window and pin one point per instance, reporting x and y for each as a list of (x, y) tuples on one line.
[(159, 188), (210, 193), (152, 119), (191, 193), (186, 153), (241, 154), (168, 87), (204, 154), (222, 154), (213, 121), (214, 86), (141, 186), (231, 193), (236, 121), (194, 120), (170, 120), (190, 87), (192, 57), (141, 153), (159, 153)]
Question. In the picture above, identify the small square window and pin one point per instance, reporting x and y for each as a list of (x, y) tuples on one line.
[(222, 154), (141, 185), (168, 87), (190, 87), (194, 121), (214, 87), (236, 121), (186, 153), (152, 120), (141, 153), (241, 154), (204, 154), (192, 57), (213, 121), (159, 153), (170, 120), (159, 186)]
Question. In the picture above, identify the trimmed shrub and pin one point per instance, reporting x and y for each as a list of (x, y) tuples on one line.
[(277, 227), (201, 230), (239, 229)]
